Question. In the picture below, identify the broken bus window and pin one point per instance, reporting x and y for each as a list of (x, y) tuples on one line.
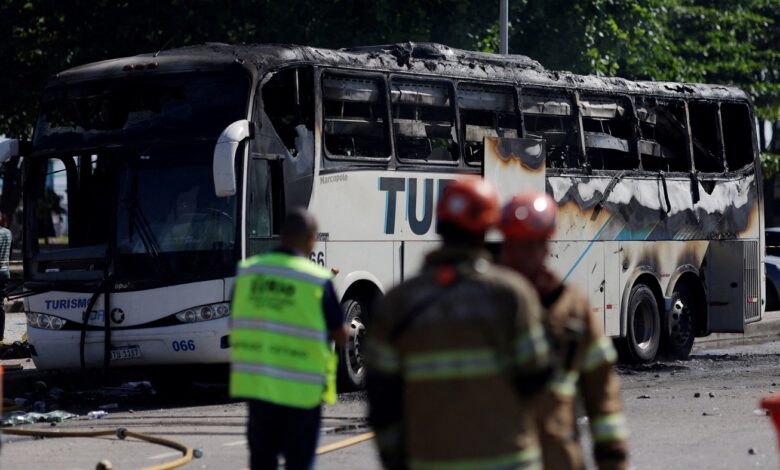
[(548, 114), (354, 117), (737, 135), (424, 121), (664, 137), (705, 132), (608, 125), (289, 102), (486, 112)]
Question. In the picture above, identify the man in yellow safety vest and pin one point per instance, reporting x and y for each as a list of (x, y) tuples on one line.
[(284, 314)]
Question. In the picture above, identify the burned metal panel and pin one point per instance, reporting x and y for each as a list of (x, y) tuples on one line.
[(654, 208), (514, 165)]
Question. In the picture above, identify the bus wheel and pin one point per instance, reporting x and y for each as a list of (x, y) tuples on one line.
[(679, 332), (643, 325), (352, 373)]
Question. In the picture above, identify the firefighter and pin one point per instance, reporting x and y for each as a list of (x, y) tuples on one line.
[(284, 312), (583, 356), (456, 352)]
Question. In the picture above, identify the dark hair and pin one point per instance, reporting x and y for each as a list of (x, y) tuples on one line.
[(299, 226)]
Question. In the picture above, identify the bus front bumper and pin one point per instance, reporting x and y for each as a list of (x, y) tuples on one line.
[(193, 343)]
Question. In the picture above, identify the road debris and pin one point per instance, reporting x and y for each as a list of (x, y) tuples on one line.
[(97, 414), (16, 418)]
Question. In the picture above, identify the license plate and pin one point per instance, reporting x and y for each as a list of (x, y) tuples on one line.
[(127, 352)]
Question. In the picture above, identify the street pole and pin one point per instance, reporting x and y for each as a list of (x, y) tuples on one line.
[(503, 26)]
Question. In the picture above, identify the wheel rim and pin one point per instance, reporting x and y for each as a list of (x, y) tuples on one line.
[(680, 322), (356, 331), (643, 327)]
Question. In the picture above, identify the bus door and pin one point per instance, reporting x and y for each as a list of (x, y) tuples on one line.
[(514, 165)]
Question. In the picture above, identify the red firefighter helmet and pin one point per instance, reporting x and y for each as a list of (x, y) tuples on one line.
[(529, 216), (471, 204)]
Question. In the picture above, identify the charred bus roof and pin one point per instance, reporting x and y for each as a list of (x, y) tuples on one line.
[(419, 58)]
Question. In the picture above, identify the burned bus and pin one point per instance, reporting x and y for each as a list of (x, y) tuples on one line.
[(150, 177)]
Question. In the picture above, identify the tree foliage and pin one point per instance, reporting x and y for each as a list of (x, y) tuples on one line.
[(717, 41), (711, 41)]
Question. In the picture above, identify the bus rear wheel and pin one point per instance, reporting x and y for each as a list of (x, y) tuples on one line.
[(352, 372), (680, 333), (643, 332)]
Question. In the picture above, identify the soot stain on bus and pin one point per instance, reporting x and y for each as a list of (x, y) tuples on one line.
[(510, 152), (638, 209)]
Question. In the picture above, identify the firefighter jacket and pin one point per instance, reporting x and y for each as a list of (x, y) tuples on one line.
[(279, 340), (584, 358), (453, 356)]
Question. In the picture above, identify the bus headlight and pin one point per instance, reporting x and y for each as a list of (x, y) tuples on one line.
[(204, 313), (47, 322)]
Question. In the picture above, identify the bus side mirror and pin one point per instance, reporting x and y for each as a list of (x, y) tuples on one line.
[(9, 148), (224, 166)]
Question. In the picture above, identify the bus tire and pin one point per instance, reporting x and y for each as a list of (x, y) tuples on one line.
[(352, 372), (680, 330), (643, 326)]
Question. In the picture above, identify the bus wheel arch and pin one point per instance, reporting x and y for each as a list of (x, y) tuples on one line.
[(357, 302), (642, 319), (686, 317)]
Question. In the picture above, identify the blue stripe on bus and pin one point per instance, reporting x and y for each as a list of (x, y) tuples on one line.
[(628, 234), (587, 249)]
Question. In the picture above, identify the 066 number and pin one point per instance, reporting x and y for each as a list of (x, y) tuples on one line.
[(183, 345)]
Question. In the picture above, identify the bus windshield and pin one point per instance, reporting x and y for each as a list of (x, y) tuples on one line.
[(157, 203), (170, 107), (132, 196)]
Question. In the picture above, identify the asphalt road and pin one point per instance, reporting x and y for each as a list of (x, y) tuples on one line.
[(670, 427)]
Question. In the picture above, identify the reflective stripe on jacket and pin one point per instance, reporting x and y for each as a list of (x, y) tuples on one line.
[(577, 334), (456, 349), (279, 340)]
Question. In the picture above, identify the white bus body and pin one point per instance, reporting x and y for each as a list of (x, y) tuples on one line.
[(685, 224)]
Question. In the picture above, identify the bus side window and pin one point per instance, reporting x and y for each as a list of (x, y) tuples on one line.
[(737, 135), (289, 102), (354, 117), (549, 115), (486, 112), (285, 135), (706, 135), (664, 136), (424, 121), (609, 132)]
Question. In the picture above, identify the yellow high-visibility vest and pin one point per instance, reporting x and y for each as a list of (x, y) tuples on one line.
[(279, 339)]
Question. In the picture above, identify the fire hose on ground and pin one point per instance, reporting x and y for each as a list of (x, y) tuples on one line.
[(187, 452), (122, 433)]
